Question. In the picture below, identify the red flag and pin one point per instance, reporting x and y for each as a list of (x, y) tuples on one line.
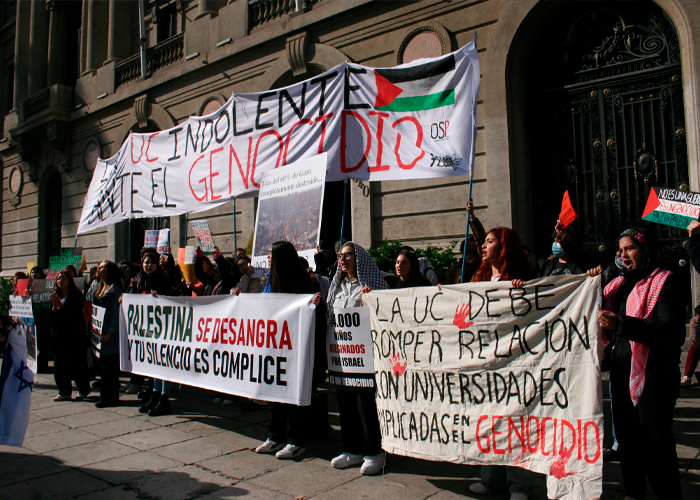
[(567, 215)]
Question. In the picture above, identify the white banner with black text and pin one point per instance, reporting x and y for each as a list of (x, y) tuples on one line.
[(484, 373), (413, 121), (254, 345)]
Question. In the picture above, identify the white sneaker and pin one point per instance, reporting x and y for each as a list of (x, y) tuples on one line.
[(290, 451), (345, 460), (373, 464), (685, 381), (227, 402), (216, 400), (133, 389), (269, 446), (479, 488), (62, 398), (518, 496)]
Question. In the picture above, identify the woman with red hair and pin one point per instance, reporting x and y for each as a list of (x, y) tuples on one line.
[(503, 259)]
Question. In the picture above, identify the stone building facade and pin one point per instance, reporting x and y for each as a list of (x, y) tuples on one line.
[(573, 95)]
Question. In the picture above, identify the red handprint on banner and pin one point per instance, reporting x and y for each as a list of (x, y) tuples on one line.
[(558, 467), (462, 317), (396, 365)]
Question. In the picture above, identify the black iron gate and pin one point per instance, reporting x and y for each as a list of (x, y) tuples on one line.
[(609, 121)]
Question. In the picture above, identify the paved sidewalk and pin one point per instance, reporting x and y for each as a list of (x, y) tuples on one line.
[(204, 451)]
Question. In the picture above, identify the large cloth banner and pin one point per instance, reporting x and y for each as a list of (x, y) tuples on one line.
[(484, 373), (256, 345), (416, 120)]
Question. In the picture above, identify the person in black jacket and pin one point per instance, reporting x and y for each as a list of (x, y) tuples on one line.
[(644, 320), (408, 270), (215, 285), (290, 425), (152, 279), (68, 338)]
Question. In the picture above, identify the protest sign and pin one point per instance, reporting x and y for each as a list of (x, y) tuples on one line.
[(150, 238), (98, 317), (21, 311), (59, 258), (349, 349), (254, 345), (567, 215), (413, 121), (189, 255), (158, 239), (21, 287), (672, 207), (202, 234), (289, 208), (483, 373), (41, 297), (30, 266)]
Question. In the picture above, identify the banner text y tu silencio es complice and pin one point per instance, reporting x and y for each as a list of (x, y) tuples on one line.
[(256, 346), (416, 120)]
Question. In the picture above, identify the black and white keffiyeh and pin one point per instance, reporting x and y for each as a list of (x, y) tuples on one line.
[(367, 273)]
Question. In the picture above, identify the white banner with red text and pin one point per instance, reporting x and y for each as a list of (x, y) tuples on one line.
[(416, 120), (254, 345), (483, 373)]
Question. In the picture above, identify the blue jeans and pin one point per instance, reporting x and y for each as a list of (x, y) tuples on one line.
[(161, 387)]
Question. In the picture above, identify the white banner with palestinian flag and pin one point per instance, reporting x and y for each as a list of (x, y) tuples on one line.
[(416, 120)]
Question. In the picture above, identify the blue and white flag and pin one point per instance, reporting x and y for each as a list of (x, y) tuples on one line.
[(16, 384)]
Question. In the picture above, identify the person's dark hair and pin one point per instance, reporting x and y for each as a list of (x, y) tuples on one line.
[(647, 239), (697, 310), (415, 275), (246, 258), (40, 270), (72, 287), (512, 262), (150, 252), (19, 275), (304, 263), (71, 268), (337, 246), (325, 245), (286, 273), (113, 273)]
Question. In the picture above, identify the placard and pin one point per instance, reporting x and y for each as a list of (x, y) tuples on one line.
[(59, 258), (98, 317), (349, 349), (672, 207), (202, 234), (289, 208), (21, 311)]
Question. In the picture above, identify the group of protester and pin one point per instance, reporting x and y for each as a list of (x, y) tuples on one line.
[(643, 322)]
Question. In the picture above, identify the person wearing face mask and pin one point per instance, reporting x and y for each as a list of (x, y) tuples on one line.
[(644, 321), (560, 262)]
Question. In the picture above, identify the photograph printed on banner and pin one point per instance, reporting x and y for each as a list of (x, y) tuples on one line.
[(289, 208)]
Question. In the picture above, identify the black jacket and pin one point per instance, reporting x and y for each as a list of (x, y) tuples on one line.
[(694, 251), (664, 331)]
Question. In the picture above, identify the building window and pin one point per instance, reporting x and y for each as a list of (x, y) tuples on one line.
[(167, 22), (51, 227)]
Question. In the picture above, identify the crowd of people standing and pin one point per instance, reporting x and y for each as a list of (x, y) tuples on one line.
[(643, 321)]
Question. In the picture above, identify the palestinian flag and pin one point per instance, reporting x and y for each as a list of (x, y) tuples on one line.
[(416, 88)]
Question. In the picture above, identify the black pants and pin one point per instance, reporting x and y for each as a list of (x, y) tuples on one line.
[(359, 423), (647, 447), (298, 419), (71, 364), (109, 390)]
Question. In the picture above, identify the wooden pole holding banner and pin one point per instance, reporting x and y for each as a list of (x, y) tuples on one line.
[(342, 223), (235, 239)]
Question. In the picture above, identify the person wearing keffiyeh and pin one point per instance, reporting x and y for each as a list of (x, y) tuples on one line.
[(362, 438), (644, 321)]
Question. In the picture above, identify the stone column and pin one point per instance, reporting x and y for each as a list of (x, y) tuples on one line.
[(83, 37), (38, 48), (96, 42), (23, 20), (119, 31), (57, 44), (205, 9)]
